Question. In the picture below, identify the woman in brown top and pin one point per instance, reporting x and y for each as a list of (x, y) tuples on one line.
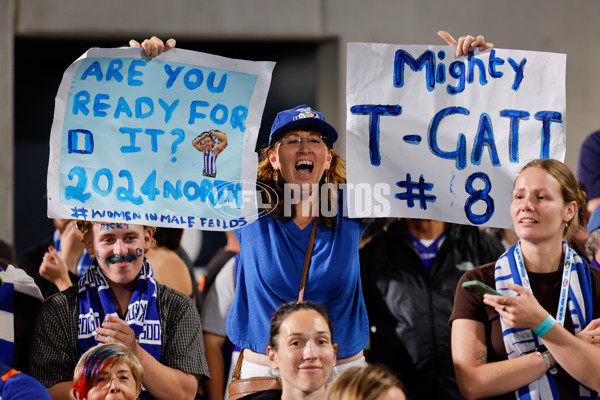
[(549, 292)]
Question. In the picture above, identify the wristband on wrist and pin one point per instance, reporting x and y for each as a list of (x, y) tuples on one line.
[(545, 326)]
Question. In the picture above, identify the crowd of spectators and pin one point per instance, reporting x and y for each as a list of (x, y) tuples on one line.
[(325, 307)]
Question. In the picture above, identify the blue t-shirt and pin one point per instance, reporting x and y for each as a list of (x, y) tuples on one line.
[(271, 260)]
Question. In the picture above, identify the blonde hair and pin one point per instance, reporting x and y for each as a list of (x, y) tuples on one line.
[(363, 383), (99, 357), (335, 175), (569, 189), (86, 227)]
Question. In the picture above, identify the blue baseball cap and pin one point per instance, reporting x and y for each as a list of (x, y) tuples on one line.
[(594, 222), (301, 116)]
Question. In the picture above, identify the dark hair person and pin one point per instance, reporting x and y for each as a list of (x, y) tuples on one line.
[(524, 342), (301, 349)]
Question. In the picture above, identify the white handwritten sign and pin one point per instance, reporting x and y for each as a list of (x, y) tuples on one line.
[(167, 141), (443, 138)]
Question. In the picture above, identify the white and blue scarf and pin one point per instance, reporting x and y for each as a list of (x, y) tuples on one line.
[(519, 342), (15, 281), (7, 319), (96, 301)]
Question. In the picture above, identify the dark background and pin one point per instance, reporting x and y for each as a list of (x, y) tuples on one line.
[(39, 66)]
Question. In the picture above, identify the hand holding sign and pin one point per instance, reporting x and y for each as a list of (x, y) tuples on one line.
[(153, 46), (465, 44), (121, 144)]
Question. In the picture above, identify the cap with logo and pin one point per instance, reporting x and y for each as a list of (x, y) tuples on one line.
[(301, 116)]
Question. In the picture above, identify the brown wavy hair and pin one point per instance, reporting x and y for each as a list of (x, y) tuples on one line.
[(569, 189), (335, 176)]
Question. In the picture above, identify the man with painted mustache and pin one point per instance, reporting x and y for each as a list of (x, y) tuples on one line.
[(118, 300)]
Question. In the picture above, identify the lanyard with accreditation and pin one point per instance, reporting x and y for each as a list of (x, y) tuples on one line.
[(566, 278)]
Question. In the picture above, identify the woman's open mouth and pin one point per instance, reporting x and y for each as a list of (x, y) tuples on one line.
[(304, 167)]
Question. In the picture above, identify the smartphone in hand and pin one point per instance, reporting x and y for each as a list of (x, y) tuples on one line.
[(480, 288)]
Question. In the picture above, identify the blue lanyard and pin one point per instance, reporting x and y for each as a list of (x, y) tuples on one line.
[(566, 278)]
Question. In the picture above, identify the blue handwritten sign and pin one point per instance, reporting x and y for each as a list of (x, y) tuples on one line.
[(168, 139), (448, 135)]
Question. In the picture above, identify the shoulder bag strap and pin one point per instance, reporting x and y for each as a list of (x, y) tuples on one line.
[(307, 260), (238, 367)]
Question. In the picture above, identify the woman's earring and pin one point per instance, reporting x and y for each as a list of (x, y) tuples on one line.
[(275, 176)]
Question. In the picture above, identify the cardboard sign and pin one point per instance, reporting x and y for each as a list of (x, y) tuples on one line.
[(438, 137), (167, 141)]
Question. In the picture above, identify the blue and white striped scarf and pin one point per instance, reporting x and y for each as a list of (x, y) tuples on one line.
[(96, 301), (519, 342), (15, 281), (7, 319)]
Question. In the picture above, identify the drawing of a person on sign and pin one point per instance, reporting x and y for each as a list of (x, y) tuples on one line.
[(211, 143)]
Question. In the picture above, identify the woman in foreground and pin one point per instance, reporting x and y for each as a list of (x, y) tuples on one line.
[(301, 351), (550, 295), (300, 156)]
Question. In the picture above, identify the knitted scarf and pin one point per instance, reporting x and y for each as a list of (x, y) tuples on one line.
[(96, 301), (524, 341), (7, 319)]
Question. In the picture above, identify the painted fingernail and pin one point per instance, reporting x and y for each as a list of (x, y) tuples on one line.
[(51, 247)]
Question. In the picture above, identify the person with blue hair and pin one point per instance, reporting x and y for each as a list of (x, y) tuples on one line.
[(119, 300), (108, 370)]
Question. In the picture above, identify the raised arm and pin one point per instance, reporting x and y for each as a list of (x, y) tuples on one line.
[(222, 137), (54, 269), (197, 142)]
